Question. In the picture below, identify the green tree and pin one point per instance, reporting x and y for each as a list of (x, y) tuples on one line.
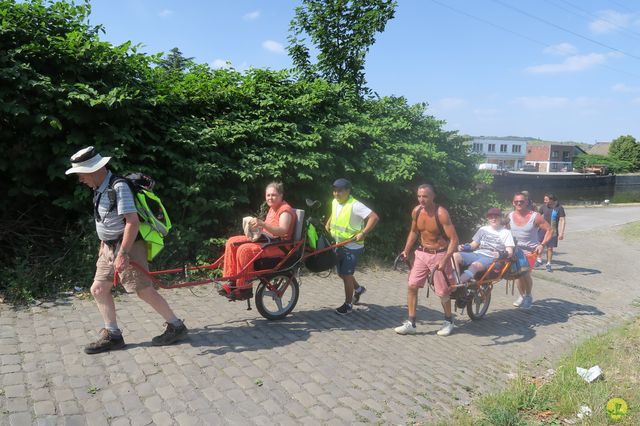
[(342, 31), (175, 61), (211, 138), (615, 165), (626, 148)]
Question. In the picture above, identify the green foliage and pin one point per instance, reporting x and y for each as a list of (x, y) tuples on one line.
[(342, 31), (614, 164), (626, 148), (175, 61), (212, 139)]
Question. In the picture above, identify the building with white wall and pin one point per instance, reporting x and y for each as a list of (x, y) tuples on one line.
[(507, 153)]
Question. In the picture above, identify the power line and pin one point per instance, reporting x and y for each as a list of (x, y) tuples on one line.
[(544, 21), (621, 5), (477, 18), (585, 12)]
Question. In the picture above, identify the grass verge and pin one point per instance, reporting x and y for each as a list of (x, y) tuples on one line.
[(556, 398), (631, 231)]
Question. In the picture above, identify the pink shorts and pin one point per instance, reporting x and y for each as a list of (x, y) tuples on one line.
[(423, 264)]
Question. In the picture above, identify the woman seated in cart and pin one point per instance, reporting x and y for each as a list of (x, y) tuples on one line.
[(240, 250), (490, 242)]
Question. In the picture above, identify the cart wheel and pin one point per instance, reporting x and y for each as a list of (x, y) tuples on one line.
[(277, 296), (479, 304)]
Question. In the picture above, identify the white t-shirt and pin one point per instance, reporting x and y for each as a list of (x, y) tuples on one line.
[(492, 240), (359, 212)]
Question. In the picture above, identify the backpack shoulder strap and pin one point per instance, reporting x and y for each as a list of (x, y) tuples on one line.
[(440, 227), (418, 210)]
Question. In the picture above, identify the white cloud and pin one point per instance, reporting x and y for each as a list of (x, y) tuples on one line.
[(251, 16), (221, 63), (542, 102), (562, 49), (574, 63), (273, 46), (165, 13), (450, 103), (623, 88), (610, 20)]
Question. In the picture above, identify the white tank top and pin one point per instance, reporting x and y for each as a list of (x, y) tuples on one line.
[(527, 235)]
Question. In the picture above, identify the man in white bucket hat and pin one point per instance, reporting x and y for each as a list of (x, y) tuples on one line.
[(117, 226)]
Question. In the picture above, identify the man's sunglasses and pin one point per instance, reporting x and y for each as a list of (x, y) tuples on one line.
[(519, 202)]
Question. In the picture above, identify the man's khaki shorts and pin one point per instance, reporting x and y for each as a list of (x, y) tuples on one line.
[(132, 278)]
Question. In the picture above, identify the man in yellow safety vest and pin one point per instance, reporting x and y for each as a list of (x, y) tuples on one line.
[(349, 220)]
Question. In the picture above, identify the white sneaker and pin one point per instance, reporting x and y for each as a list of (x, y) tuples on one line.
[(518, 301), (406, 328), (527, 302), (446, 329)]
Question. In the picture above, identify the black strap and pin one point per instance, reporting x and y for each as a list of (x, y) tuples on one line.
[(440, 227), (111, 193)]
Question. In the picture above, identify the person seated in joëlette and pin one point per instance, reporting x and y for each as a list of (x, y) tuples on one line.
[(240, 250), (490, 242)]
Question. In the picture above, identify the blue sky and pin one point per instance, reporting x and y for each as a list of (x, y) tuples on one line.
[(553, 69)]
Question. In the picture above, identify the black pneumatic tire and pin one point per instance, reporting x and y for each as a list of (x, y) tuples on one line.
[(478, 306), (267, 301)]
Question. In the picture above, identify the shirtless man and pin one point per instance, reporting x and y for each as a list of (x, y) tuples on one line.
[(438, 242)]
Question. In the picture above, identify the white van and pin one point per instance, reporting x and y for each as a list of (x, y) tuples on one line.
[(488, 166)]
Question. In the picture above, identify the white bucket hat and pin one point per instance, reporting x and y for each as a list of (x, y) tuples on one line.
[(87, 160)]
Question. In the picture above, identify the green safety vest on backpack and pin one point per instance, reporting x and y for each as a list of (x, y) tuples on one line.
[(154, 220), (341, 228)]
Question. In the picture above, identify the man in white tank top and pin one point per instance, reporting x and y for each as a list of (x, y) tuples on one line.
[(524, 225)]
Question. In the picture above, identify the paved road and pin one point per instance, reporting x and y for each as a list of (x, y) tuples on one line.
[(315, 367)]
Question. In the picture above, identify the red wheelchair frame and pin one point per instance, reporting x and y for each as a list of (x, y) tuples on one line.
[(278, 287)]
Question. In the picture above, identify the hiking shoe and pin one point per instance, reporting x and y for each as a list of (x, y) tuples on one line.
[(171, 335), (518, 301), (447, 328), (548, 267), (106, 342), (357, 293), (406, 328), (527, 302), (539, 262), (346, 308)]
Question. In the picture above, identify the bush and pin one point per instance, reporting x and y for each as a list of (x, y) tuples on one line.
[(211, 138)]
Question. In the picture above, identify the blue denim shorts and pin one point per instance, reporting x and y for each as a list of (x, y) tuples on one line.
[(347, 260)]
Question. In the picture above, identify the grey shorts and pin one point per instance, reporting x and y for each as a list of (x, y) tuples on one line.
[(468, 257), (132, 278)]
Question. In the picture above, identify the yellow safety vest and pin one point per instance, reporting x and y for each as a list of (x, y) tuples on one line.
[(340, 226)]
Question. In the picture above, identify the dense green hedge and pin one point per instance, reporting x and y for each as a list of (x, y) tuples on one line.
[(211, 138)]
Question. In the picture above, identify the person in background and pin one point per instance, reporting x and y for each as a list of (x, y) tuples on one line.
[(349, 220), (525, 225), (530, 203), (554, 214)]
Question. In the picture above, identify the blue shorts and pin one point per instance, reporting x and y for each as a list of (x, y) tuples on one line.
[(468, 257), (347, 260)]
